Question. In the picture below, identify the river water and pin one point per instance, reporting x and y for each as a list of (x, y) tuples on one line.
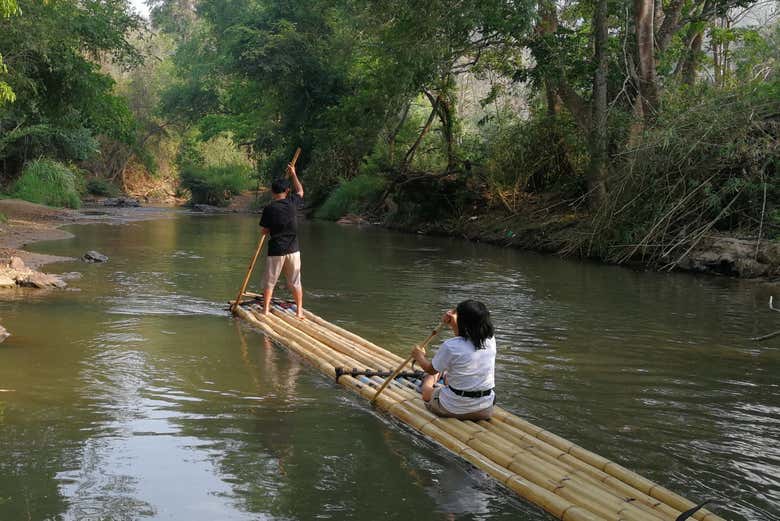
[(137, 396)]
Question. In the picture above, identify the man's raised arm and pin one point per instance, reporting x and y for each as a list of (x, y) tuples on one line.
[(297, 186)]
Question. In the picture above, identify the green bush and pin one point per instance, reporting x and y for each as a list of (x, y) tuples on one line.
[(215, 185), (102, 187), (48, 182), (354, 196)]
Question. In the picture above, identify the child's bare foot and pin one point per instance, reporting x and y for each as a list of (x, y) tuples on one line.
[(266, 311), (299, 315)]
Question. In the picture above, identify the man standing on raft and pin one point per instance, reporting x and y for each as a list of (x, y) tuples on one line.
[(280, 220), (468, 363)]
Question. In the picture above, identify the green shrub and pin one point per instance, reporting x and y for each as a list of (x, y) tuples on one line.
[(3, 218), (215, 185), (102, 187), (354, 196), (48, 182)]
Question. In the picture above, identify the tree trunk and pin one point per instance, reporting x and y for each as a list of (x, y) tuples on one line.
[(597, 173), (669, 25), (648, 81), (410, 153), (443, 106), (547, 25), (391, 138), (447, 125), (691, 59)]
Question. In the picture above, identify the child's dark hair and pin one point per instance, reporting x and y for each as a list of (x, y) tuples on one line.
[(279, 185), (474, 322)]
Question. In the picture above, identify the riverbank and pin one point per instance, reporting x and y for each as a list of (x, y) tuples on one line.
[(25, 223), (714, 254), (554, 224)]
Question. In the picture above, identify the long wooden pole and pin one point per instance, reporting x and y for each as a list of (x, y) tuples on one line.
[(248, 275), (409, 359), (251, 268)]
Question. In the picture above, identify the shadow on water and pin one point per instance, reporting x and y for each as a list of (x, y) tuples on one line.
[(138, 397)]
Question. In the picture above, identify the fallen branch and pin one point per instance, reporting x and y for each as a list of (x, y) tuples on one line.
[(765, 337), (770, 335)]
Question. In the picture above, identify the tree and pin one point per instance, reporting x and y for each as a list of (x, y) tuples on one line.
[(63, 100), (8, 8)]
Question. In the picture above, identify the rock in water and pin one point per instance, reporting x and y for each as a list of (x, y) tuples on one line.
[(122, 202), (3, 334), (7, 282), (94, 256), (16, 263), (37, 279)]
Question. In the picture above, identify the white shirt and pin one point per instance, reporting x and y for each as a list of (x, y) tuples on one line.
[(468, 369)]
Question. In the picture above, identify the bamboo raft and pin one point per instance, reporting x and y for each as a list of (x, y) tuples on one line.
[(566, 480)]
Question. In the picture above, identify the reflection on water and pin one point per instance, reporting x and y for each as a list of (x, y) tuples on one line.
[(139, 397)]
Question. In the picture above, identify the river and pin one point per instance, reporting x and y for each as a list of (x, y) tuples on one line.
[(134, 395)]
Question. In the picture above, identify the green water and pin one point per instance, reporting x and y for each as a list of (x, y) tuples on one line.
[(136, 396)]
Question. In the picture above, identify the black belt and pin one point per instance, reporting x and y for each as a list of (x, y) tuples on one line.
[(470, 394)]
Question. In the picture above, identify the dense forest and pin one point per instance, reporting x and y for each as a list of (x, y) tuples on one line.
[(623, 130)]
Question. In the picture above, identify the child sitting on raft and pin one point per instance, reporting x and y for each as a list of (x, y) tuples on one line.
[(468, 363)]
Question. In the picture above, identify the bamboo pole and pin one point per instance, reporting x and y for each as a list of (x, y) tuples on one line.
[(331, 341), (349, 335), (248, 275), (409, 359)]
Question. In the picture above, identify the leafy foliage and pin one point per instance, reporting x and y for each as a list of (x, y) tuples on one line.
[(48, 182), (63, 99), (101, 187), (215, 185), (355, 196)]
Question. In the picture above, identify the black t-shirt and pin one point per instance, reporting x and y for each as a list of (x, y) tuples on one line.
[(281, 217)]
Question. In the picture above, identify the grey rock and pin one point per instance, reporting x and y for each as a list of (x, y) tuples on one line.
[(71, 275), (94, 256), (121, 202), (207, 208), (40, 280)]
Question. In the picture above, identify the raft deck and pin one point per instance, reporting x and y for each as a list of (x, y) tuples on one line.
[(566, 480)]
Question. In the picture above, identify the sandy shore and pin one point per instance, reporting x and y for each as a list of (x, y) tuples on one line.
[(27, 223)]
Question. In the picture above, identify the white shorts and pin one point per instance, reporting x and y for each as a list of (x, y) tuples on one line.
[(290, 263)]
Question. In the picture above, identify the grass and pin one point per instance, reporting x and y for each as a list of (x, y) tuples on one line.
[(354, 196), (215, 185), (45, 181)]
